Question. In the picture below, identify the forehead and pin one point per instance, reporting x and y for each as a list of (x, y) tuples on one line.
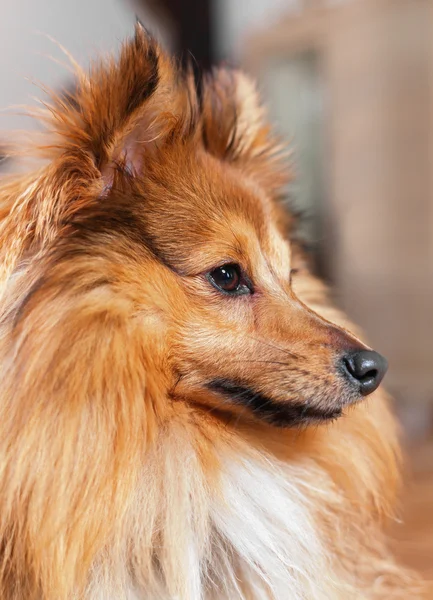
[(262, 250), (208, 213)]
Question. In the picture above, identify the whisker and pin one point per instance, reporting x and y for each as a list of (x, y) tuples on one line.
[(275, 347), (267, 362), (245, 408)]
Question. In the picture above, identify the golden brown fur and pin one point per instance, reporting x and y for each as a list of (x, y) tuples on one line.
[(122, 473)]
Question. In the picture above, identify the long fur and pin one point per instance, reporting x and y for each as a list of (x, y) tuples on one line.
[(120, 478)]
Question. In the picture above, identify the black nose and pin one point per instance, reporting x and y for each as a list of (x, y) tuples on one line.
[(367, 368)]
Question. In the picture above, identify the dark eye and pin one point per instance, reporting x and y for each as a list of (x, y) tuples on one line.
[(228, 279)]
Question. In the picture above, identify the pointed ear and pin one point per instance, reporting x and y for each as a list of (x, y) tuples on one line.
[(120, 109), (235, 128), (118, 112)]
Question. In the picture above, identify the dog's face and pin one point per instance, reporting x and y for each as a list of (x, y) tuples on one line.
[(185, 230), (223, 307)]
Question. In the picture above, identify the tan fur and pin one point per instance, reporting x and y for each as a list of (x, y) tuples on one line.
[(122, 476)]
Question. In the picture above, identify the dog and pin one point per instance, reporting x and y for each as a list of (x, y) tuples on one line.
[(180, 403)]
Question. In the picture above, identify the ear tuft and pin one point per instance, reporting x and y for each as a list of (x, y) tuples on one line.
[(110, 102), (139, 88)]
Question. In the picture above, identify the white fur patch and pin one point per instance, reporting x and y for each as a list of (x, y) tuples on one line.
[(255, 540), (266, 517)]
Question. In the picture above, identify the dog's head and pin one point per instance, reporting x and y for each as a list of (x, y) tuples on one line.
[(158, 216)]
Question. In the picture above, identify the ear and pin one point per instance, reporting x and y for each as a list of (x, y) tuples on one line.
[(235, 128), (119, 111)]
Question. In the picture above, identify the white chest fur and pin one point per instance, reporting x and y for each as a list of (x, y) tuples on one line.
[(255, 538)]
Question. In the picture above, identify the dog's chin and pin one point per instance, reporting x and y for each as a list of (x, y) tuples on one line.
[(274, 412)]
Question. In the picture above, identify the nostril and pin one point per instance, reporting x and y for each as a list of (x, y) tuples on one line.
[(365, 368), (349, 366), (371, 373), (358, 371)]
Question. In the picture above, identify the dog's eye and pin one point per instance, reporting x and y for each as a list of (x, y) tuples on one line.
[(228, 279)]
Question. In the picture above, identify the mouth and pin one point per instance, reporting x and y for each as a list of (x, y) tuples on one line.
[(279, 414)]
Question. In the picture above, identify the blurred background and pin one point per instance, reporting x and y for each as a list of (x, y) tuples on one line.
[(349, 84)]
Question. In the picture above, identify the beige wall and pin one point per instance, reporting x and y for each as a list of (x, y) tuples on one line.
[(235, 19), (380, 104)]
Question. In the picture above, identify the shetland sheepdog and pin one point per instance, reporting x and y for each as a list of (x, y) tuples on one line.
[(181, 410)]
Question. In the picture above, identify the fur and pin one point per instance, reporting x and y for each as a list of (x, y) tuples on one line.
[(123, 473)]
